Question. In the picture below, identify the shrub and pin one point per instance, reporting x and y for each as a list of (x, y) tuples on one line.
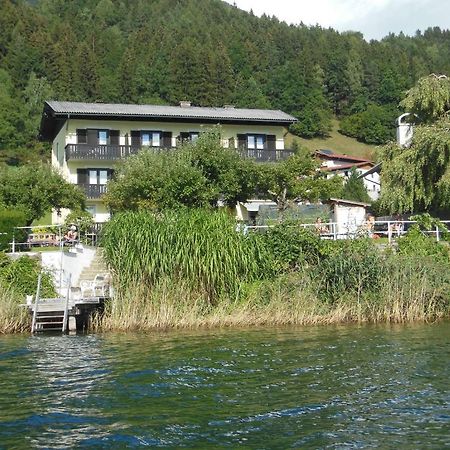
[(9, 219), (418, 244), (21, 276), (291, 246), (349, 268)]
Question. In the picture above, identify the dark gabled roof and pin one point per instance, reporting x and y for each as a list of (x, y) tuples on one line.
[(376, 168), (55, 110)]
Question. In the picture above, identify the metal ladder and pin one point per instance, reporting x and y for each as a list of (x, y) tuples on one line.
[(50, 314)]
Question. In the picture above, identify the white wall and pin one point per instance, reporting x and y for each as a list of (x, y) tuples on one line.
[(72, 261), (348, 218)]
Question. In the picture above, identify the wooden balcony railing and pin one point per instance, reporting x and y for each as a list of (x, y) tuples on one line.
[(264, 155), (114, 152), (93, 191), (104, 152)]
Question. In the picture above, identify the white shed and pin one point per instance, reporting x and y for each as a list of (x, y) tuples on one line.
[(348, 216)]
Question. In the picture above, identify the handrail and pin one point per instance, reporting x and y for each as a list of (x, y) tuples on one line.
[(66, 306), (36, 302)]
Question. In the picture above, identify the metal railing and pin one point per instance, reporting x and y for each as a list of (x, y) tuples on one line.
[(264, 155), (105, 152), (390, 229)]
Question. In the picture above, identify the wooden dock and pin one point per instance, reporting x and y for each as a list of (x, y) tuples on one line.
[(58, 314)]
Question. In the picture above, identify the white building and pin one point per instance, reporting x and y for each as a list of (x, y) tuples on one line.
[(341, 165), (88, 139)]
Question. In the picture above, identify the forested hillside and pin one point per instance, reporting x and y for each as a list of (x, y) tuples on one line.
[(206, 51)]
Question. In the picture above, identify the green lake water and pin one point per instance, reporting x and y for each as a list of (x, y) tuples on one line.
[(310, 387)]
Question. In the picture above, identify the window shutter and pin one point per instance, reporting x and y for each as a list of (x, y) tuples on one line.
[(114, 136), (135, 138), (92, 137), (82, 176), (185, 136), (242, 140), (271, 140), (166, 139), (110, 174), (81, 136)]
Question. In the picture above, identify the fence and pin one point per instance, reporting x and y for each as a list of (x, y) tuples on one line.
[(51, 237), (390, 229)]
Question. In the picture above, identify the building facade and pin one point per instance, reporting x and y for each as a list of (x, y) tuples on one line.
[(341, 165), (88, 139)]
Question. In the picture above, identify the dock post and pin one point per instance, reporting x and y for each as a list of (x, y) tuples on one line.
[(36, 301), (66, 307)]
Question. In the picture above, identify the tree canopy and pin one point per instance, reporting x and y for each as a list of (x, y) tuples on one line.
[(35, 189), (205, 174), (417, 178)]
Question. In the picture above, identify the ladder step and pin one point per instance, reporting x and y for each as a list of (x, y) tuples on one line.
[(56, 316), (59, 322)]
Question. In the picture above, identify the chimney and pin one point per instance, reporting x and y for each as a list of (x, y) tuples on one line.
[(185, 104)]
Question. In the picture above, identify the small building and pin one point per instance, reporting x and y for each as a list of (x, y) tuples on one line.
[(341, 165), (348, 215)]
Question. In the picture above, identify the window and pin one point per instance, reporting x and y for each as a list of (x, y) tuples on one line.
[(102, 137), (256, 141), (151, 138), (91, 209), (98, 176), (194, 136)]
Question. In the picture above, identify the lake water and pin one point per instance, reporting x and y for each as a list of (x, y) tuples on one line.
[(312, 387)]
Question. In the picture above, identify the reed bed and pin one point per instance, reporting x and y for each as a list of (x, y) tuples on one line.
[(288, 300), (201, 247), (13, 317), (192, 269)]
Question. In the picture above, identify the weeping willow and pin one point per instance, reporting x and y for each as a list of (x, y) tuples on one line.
[(417, 178)]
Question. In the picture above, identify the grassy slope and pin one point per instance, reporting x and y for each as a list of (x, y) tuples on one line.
[(336, 142)]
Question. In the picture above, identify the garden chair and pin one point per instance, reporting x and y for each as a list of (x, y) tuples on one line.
[(99, 285)]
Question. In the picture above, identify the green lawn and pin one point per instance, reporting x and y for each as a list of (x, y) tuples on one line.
[(336, 142), (46, 220)]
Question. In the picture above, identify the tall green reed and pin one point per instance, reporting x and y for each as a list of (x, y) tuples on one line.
[(200, 247)]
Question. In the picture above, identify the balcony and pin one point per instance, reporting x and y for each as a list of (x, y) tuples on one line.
[(93, 191), (80, 152), (77, 152), (264, 155)]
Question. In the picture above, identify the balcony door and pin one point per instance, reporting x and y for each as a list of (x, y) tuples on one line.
[(98, 176), (94, 176)]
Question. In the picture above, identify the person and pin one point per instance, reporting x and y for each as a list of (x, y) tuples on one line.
[(370, 226), (320, 227), (71, 236)]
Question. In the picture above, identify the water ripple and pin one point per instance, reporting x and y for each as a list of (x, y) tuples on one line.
[(335, 387)]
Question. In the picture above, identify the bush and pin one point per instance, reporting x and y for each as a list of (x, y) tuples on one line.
[(21, 276), (291, 246), (373, 126), (9, 219), (418, 244), (350, 268)]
